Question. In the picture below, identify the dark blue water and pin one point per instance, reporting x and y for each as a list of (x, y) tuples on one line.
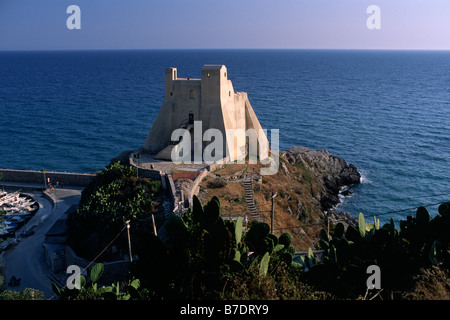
[(387, 112)]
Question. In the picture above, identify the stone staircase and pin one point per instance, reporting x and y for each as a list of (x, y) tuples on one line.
[(250, 200)]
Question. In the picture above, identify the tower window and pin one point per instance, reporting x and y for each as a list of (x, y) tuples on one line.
[(192, 94)]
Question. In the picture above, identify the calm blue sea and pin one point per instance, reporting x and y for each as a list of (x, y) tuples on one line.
[(387, 112)]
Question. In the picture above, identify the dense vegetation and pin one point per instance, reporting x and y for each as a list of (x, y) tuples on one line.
[(88, 289), (218, 259), (420, 244), (115, 196), (26, 294), (200, 255)]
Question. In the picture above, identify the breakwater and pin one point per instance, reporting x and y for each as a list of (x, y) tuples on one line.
[(46, 177)]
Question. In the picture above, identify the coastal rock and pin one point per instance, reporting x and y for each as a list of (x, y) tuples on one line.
[(350, 175), (342, 217), (331, 171)]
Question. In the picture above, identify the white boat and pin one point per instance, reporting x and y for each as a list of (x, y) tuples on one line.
[(13, 203)]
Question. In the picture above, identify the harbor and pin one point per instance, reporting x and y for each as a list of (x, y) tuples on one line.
[(16, 209)]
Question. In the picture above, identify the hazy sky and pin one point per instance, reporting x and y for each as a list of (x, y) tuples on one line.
[(151, 24)]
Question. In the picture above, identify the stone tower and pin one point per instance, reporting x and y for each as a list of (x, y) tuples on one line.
[(211, 100)]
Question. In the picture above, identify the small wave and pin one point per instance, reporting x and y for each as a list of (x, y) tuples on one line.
[(343, 197), (364, 177), (341, 201), (345, 194)]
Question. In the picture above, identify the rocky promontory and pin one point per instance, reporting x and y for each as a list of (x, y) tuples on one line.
[(303, 192), (331, 172)]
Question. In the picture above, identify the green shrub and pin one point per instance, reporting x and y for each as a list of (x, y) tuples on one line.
[(116, 195)]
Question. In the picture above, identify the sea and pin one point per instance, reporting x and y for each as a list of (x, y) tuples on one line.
[(386, 112)]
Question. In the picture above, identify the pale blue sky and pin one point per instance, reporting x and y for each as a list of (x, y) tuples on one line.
[(162, 24)]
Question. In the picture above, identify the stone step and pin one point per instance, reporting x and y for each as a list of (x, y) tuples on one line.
[(250, 200)]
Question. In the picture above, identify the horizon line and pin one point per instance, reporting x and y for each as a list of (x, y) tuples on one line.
[(221, 49)]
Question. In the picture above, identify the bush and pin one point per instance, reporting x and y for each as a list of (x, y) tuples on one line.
[(217, 183), (284, 284), (26, 294), (116, 195)]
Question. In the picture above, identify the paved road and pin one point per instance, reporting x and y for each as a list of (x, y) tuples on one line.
[(26, 260)]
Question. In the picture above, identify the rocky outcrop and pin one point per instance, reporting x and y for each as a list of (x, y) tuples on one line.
[(342, 217), (331, 172)]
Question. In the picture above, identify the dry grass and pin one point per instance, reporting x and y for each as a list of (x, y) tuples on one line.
[(431, 284), (294, 206)]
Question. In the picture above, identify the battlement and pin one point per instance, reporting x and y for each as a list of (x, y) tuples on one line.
[(210, 73)]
